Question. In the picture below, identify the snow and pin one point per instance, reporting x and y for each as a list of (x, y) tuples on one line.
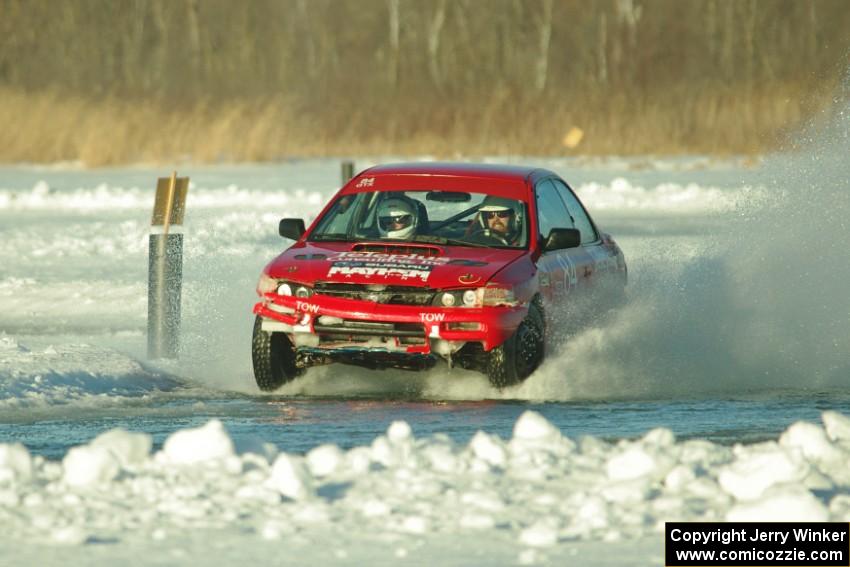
[(539, 490)]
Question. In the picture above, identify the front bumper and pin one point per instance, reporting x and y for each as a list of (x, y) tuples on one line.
[(330, 324)]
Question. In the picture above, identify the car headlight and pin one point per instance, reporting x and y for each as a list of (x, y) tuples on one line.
[(457, 298), (497, 295), (488, 296), (298, 290), (267, 284), (303, 291)]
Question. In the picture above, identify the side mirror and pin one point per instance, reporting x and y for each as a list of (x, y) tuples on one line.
[(291, 228), (561, 238)]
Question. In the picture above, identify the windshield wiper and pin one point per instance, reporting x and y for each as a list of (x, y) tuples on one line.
[(447, 241)]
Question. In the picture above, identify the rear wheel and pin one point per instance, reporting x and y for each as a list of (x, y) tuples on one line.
[(274, 358), (515, 359)]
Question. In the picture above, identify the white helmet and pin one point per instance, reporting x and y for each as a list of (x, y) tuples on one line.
[(396, 218)]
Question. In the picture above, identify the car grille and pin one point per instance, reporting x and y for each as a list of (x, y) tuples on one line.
[(393, 295)]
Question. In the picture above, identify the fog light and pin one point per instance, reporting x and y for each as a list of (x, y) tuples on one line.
[(448, 299), (463, 326)]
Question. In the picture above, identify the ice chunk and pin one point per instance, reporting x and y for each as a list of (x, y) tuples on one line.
[(789, 503), (540, 534), (660, 437), (837, 425), (291, 477), (678, 478), (129, 448), (415, 525), (190, 446), (324, 459), (69, 535), (634, 462), (489, 449), (88, 465), (531, 426), (812, 441), (15, 462), (474, 521), (592, 513), (758, 469), (399, 432)]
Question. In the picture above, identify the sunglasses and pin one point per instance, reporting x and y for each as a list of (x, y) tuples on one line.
[(500, 214), (395, 219)]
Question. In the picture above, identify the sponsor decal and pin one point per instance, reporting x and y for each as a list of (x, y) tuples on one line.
[(366, 182), (431, 317), (306, 307), (404, 266)]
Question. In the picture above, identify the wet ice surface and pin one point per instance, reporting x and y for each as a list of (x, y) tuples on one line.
[(298, 424), (718, 347)]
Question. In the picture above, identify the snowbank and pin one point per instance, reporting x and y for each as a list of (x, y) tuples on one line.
[(621, 194), (78, 374), (536, 492)]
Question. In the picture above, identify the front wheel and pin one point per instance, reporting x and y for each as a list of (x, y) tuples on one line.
[(515, 359), (274, 358)]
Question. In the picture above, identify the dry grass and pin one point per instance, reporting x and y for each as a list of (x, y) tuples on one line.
[(50, 127)]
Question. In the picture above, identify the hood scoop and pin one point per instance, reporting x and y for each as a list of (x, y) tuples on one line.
[(406, 249)]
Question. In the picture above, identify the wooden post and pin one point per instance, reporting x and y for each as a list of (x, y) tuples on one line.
[(347, 171), (165, 267)]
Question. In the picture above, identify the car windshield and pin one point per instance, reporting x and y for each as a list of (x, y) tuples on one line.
[(439, 217)]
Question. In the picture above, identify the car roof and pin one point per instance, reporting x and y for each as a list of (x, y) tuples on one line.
[(495, 179), (455, 169)]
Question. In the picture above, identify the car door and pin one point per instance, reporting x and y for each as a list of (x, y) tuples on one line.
[(602, 259), (562, 272)]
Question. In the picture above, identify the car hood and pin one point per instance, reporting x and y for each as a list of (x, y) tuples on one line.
[(380, 263)]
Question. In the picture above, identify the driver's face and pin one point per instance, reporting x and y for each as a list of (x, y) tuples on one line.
[(498, 221)]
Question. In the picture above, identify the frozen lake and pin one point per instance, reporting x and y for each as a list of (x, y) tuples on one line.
[(694, 351), (738, 322)]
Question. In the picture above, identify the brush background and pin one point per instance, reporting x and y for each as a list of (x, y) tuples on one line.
[(105, 82)]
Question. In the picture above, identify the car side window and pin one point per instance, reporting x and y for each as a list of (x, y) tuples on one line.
[(339, 218), (577, 212), (551, 212)]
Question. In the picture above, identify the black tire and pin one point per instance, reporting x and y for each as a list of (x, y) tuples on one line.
[(274, 358), (514, 360)]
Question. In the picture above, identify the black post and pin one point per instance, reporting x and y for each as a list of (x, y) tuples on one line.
[(165, 277), (347, 171)]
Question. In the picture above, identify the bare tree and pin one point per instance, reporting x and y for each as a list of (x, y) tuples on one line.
[(435, 29), (392, 68), (544, 30)]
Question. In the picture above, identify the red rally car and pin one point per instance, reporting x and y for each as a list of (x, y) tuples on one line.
[(412, 263)]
